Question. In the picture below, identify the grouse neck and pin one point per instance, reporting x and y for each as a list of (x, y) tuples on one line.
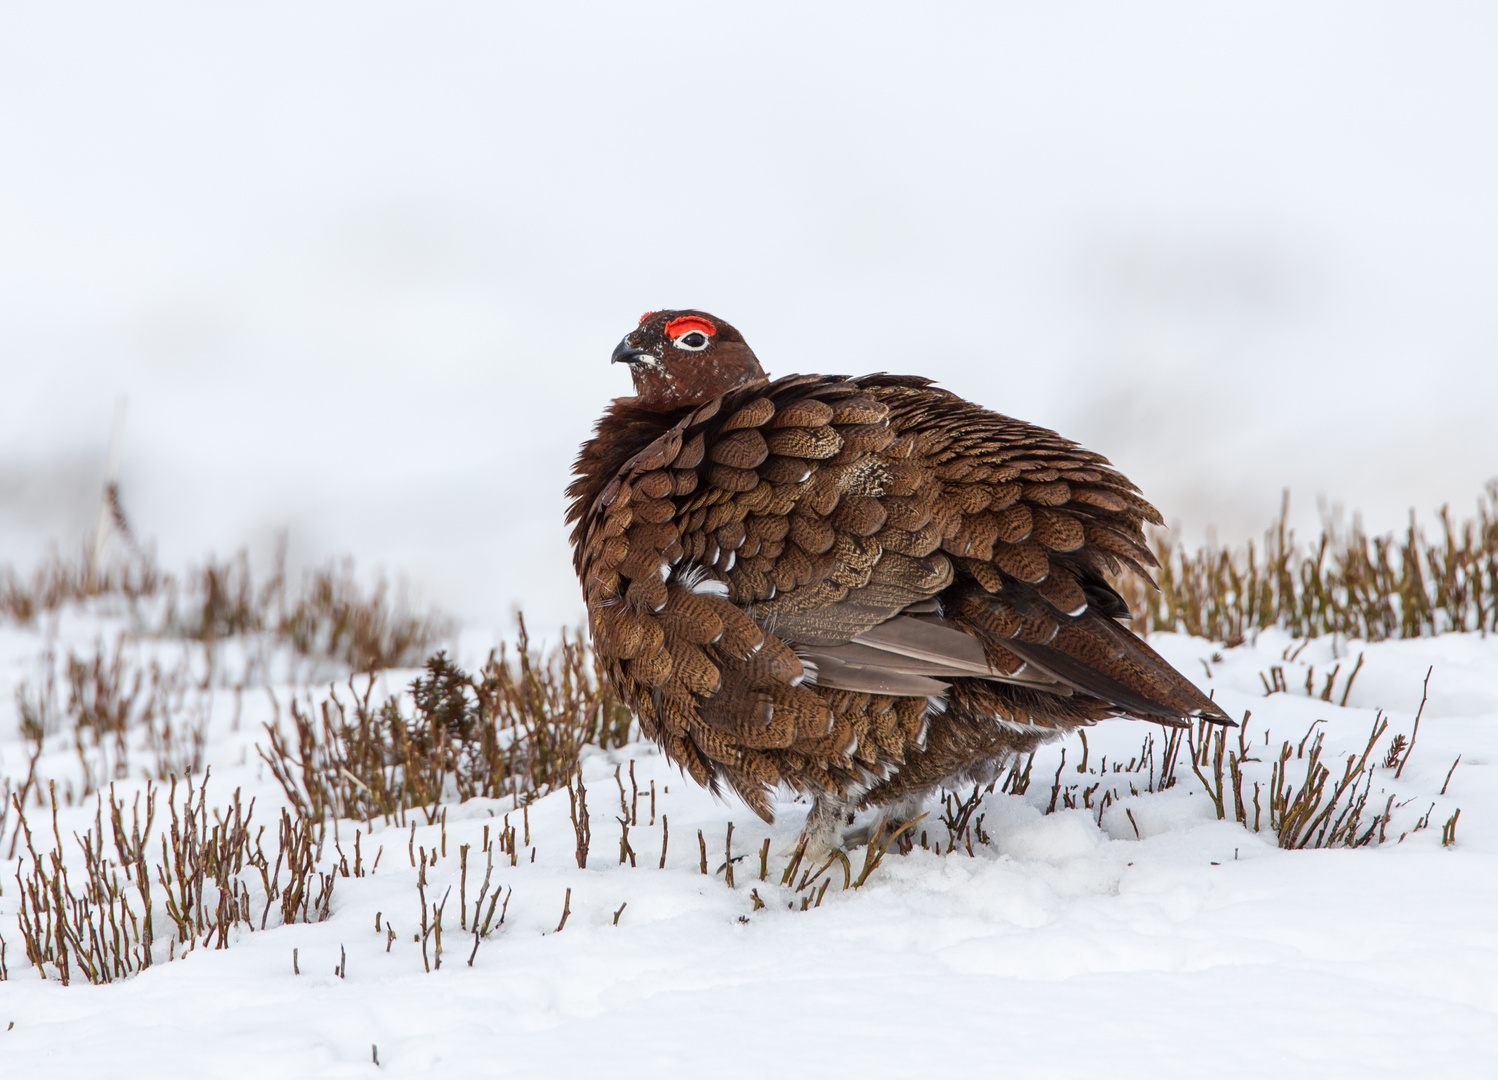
[(622, 431)]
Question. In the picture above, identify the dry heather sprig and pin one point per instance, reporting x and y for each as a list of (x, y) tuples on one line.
[(331, 618), (514, 729), (1318, 812), (1343, 582), (211, 879), (110, 699), (61, 580)]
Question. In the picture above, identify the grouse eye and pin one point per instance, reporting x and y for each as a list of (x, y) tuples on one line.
[(691, 332)]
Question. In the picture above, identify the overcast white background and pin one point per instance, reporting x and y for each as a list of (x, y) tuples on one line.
[(359, 267)]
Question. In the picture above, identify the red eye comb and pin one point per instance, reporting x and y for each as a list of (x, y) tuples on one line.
[(643, 318), (687, 323)]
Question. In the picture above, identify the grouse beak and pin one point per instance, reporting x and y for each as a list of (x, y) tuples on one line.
[(626, 353)]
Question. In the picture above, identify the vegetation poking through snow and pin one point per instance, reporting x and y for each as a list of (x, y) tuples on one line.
[(513, 729), (332, 617), (1341, 582), (212, 879)]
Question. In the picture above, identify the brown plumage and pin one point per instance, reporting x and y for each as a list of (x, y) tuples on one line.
[(860, 588)]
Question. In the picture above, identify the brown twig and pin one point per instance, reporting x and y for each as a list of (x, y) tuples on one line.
[(1424, 692)]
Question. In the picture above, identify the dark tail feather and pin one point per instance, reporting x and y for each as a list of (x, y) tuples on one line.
[(1095, 656)]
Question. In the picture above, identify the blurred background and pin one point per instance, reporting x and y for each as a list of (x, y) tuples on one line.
[(358, 268)]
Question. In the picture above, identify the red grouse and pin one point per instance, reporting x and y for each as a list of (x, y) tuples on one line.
[(857, 588)]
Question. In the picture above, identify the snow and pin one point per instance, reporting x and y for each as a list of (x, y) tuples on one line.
[(1059, 948)]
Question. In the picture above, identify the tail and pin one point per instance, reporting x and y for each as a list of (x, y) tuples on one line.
[(1100, 658), (1088, 653)]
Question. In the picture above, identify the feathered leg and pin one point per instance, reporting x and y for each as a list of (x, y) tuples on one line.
[(894, 816), (824, 824)]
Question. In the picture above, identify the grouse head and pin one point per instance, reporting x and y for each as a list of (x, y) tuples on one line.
[(683, 358)]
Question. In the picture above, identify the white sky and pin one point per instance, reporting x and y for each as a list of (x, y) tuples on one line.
[(359, 267)]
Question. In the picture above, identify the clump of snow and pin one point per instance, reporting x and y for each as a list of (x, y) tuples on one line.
[(1058, 838)]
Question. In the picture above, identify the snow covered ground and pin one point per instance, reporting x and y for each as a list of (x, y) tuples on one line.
[(1060, 947)]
